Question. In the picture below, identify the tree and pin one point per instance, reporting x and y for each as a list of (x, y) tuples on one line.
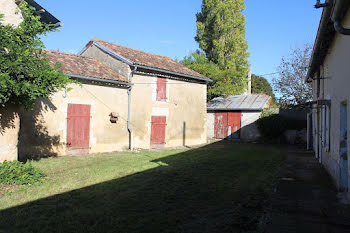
[(221, 35), (261, 86), (224, 83), (291, 84), (25, 72)]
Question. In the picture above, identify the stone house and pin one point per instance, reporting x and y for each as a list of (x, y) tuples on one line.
[(168, 100), (329, 76), (116, 109), (87, 117), (234, 117), (9, 116)]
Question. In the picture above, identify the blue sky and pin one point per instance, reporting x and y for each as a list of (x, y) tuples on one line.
[(168, 27)]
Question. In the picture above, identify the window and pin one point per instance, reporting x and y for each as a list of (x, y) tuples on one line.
[(161, 89)]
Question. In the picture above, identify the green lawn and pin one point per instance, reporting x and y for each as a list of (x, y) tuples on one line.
[(216, 188)]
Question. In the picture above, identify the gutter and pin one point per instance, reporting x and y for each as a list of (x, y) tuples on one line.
[(340, 7), (130, 129), (174, 73), (324, 38), (237, 109), (99, 80)]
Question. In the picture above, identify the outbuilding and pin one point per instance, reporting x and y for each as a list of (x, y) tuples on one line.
[(234, 117)]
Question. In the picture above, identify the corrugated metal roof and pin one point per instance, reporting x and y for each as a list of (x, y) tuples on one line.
[(239, 102)]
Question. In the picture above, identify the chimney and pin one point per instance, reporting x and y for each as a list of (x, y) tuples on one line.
[(249, 89)]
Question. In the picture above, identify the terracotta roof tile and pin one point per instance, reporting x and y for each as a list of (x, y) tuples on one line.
[(147, 59), (84, 66)]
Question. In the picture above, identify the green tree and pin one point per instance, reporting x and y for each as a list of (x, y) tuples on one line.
[(224, 83), (221, 35), (25, 72), (261, 86)]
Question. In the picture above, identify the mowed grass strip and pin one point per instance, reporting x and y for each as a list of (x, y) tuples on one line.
[(216, 188)]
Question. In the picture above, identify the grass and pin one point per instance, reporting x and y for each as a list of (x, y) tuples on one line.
[(216, 188)]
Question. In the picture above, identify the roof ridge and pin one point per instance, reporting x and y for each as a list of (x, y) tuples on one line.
[(71, 54), (138, 50)]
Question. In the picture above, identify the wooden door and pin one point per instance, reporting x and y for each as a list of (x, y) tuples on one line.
[(158, 130), (78, 126), (220, 125), (234, 122)]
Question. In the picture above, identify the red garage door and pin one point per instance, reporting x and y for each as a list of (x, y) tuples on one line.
[(158, 130), (227, 122), (78, 126)]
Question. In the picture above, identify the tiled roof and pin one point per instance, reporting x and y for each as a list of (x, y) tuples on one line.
[(83, 66), (147, 59), (239, 102)]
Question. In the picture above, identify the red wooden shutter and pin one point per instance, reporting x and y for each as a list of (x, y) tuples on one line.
[(158, 130), (161, 89), (220, 126), (78, 126)]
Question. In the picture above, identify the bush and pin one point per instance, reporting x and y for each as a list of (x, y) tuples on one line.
[(273, 126), (19, 173)]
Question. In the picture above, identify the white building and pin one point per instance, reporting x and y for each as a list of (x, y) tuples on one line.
[(329, 74)]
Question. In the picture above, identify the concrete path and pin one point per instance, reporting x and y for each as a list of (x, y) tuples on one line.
[(305, 199)]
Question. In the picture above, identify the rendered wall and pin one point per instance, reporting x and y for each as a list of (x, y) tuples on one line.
[(185, 110), (11, 13), (249, 129), (335, 87), (9, 128), (211, 125), (44, 129)]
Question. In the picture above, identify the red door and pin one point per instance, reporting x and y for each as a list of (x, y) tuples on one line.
[(158, 130), (234, 122), (220, 126), (78, 126), (227, 124)]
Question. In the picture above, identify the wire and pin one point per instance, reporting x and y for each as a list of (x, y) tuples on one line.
[(267, 74)]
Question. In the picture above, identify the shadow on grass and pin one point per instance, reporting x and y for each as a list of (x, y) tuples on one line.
[(216, 188)]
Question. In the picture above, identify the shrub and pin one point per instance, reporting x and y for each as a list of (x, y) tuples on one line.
[(19, 173), (272, 126)]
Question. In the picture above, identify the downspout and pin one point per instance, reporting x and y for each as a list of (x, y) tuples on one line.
[(130, 129), (339, 6)]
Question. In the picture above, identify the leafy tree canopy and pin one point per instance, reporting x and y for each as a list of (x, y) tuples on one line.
[(224, 83), (25, 72), (221, 35), (261, 86)]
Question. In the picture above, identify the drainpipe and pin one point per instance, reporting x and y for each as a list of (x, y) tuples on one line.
[(339, 6), (131, 132)]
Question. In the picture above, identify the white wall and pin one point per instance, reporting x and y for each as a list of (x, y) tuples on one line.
[(210, 125), (249, 129), (334, 85), (11, 13)]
